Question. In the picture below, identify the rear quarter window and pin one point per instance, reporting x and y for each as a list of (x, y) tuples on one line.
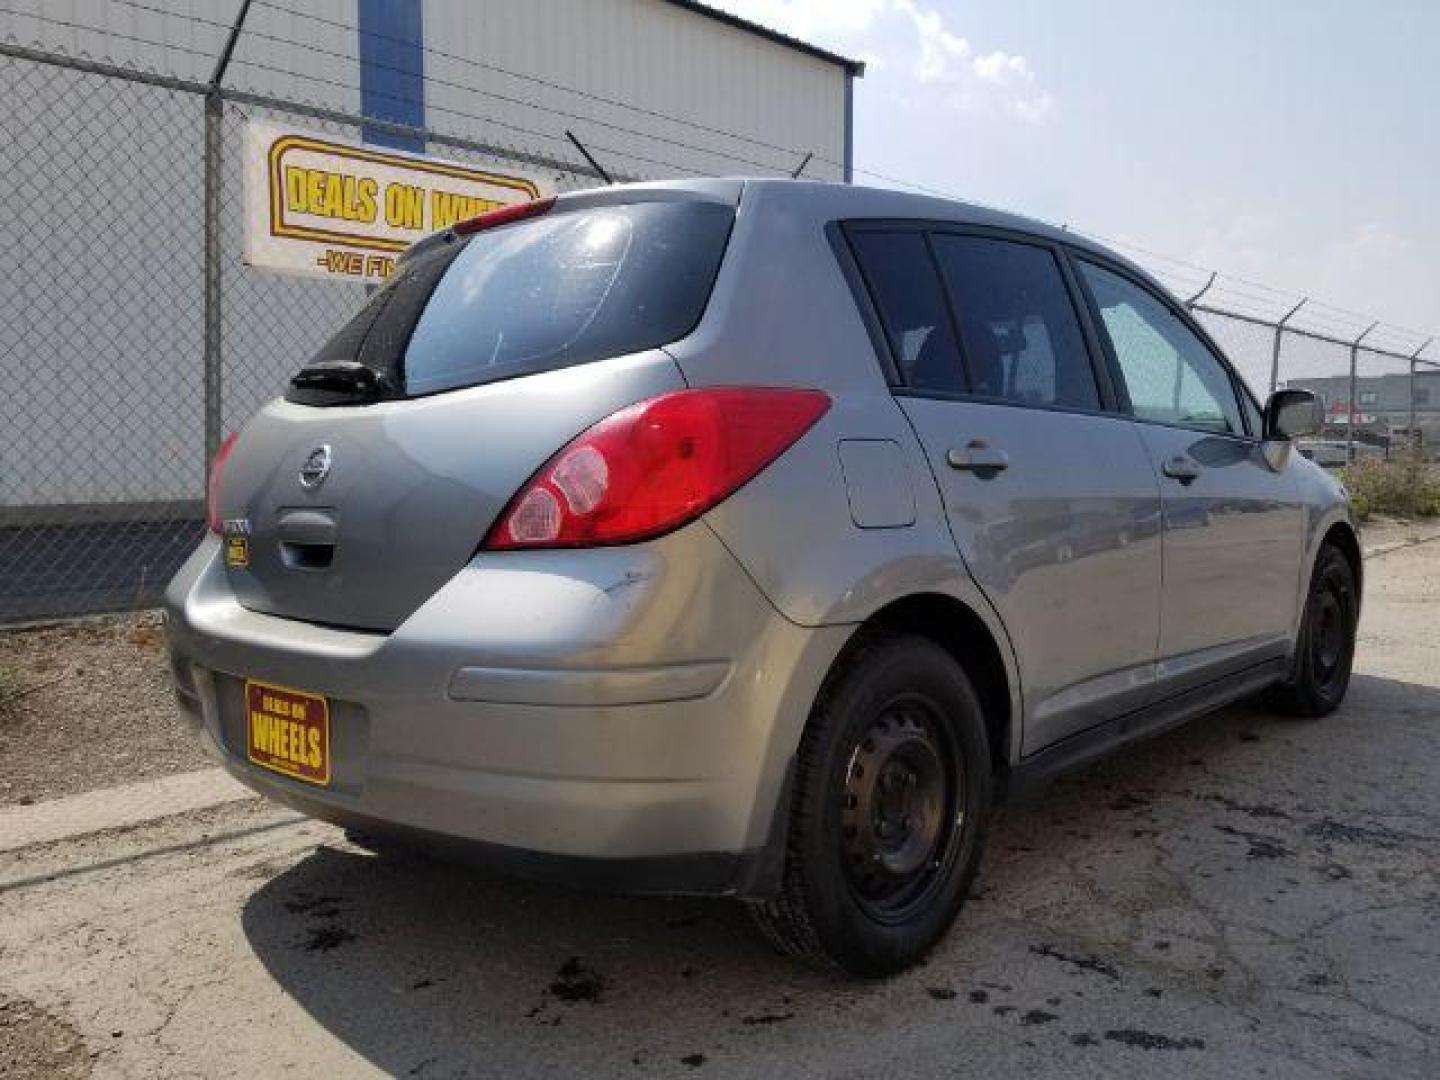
[(567, 288), (902, 281)]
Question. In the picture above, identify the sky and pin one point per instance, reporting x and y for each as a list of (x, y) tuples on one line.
[(1293, 144)]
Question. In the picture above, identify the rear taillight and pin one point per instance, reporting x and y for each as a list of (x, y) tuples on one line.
[(655, 465), (504, 216), (212, 490)]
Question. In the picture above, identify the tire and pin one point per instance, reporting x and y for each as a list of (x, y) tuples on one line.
[(888, 814), (1325, 649)]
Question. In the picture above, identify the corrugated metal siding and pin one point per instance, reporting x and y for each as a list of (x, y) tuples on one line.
[(282, 53), (102, 336), (741, 104)]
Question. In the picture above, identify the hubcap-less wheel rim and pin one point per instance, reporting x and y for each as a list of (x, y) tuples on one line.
[(900, 814), (1329, 637)]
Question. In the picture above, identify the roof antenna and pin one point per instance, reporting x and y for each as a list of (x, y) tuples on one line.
[(801, 167), (586, 155)]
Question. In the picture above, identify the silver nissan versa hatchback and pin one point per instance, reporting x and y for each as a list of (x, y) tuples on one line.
[(751, 538)]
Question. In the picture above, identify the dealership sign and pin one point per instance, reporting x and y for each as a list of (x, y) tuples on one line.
[(344, 211)]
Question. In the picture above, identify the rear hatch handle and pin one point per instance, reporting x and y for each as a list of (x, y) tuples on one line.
[(307, 538)]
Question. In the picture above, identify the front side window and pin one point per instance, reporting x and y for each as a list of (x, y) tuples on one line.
[(902, 282), (1018, 328), (1171, 375)]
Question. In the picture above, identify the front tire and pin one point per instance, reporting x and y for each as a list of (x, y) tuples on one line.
[(1325, 650), (888, 813)]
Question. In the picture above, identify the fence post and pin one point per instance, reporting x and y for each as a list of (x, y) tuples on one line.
[(214, 135), (213, 177), (1354, 388), (1193, 300), (1275, 352), (1411, 436)]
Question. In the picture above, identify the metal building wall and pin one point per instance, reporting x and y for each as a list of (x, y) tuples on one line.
[(110, 299), (282, 53), (761, 104), (741, 101)]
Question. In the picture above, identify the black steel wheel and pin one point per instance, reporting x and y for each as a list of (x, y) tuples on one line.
[(1325, 650), (890, 798), (900, 810)]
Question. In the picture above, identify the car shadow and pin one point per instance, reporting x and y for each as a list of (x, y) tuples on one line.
[(430, 968), (427, 968)]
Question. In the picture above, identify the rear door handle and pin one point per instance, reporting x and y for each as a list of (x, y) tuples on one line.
[(978, 456), (1181, 468)]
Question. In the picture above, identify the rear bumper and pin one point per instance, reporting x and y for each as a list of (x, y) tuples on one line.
[(718, 873), (620, 717)]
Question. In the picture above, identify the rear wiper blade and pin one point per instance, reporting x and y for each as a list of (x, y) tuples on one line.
[(343, 376)]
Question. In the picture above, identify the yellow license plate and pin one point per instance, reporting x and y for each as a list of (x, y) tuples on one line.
[(288, 731)]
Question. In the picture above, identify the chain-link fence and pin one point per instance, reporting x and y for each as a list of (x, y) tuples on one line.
[(1379, 384), (1378, 400), (132, 334)]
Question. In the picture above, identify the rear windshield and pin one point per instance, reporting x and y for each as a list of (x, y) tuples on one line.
[(567, 288)]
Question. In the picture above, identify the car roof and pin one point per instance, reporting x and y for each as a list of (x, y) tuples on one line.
[(827, 201), (850, 201)]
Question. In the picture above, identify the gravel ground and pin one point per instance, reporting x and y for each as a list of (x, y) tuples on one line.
[(35, 1045), (1249, 895), (86, 704)]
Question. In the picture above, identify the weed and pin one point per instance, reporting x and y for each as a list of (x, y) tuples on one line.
[(1404, 487)]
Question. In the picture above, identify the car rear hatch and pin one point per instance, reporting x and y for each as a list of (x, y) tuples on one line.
[(377, 478)]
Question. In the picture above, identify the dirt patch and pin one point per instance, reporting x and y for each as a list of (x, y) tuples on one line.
[(87, 704), (35, 1043)]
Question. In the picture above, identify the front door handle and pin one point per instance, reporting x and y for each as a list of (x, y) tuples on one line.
[(978, 456), (1181, 468)]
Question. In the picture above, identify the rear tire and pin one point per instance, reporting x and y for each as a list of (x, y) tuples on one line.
[(1325, 650), (888, 812)]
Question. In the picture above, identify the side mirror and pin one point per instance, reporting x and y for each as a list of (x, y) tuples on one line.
[(1289, 414)]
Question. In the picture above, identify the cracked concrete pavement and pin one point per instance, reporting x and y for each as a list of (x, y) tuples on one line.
[(1249, 895)]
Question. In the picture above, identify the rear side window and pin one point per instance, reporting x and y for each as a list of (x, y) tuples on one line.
[(567, 288), (1018, 327), (902, 282)]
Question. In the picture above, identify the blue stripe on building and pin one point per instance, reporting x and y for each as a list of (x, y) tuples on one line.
[(392, 69)]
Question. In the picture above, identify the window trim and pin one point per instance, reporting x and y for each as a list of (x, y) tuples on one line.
[(839, 233), (859, 286), (1237, 385)]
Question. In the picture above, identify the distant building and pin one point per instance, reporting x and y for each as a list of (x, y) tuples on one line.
[(1382, 406)]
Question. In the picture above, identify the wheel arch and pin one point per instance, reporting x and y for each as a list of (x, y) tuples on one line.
[(978, 647), (1342, 535), (1337, 528)]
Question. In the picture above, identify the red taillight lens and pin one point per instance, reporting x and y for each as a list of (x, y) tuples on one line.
[(504, 216), (212, 490), (652, 467)]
